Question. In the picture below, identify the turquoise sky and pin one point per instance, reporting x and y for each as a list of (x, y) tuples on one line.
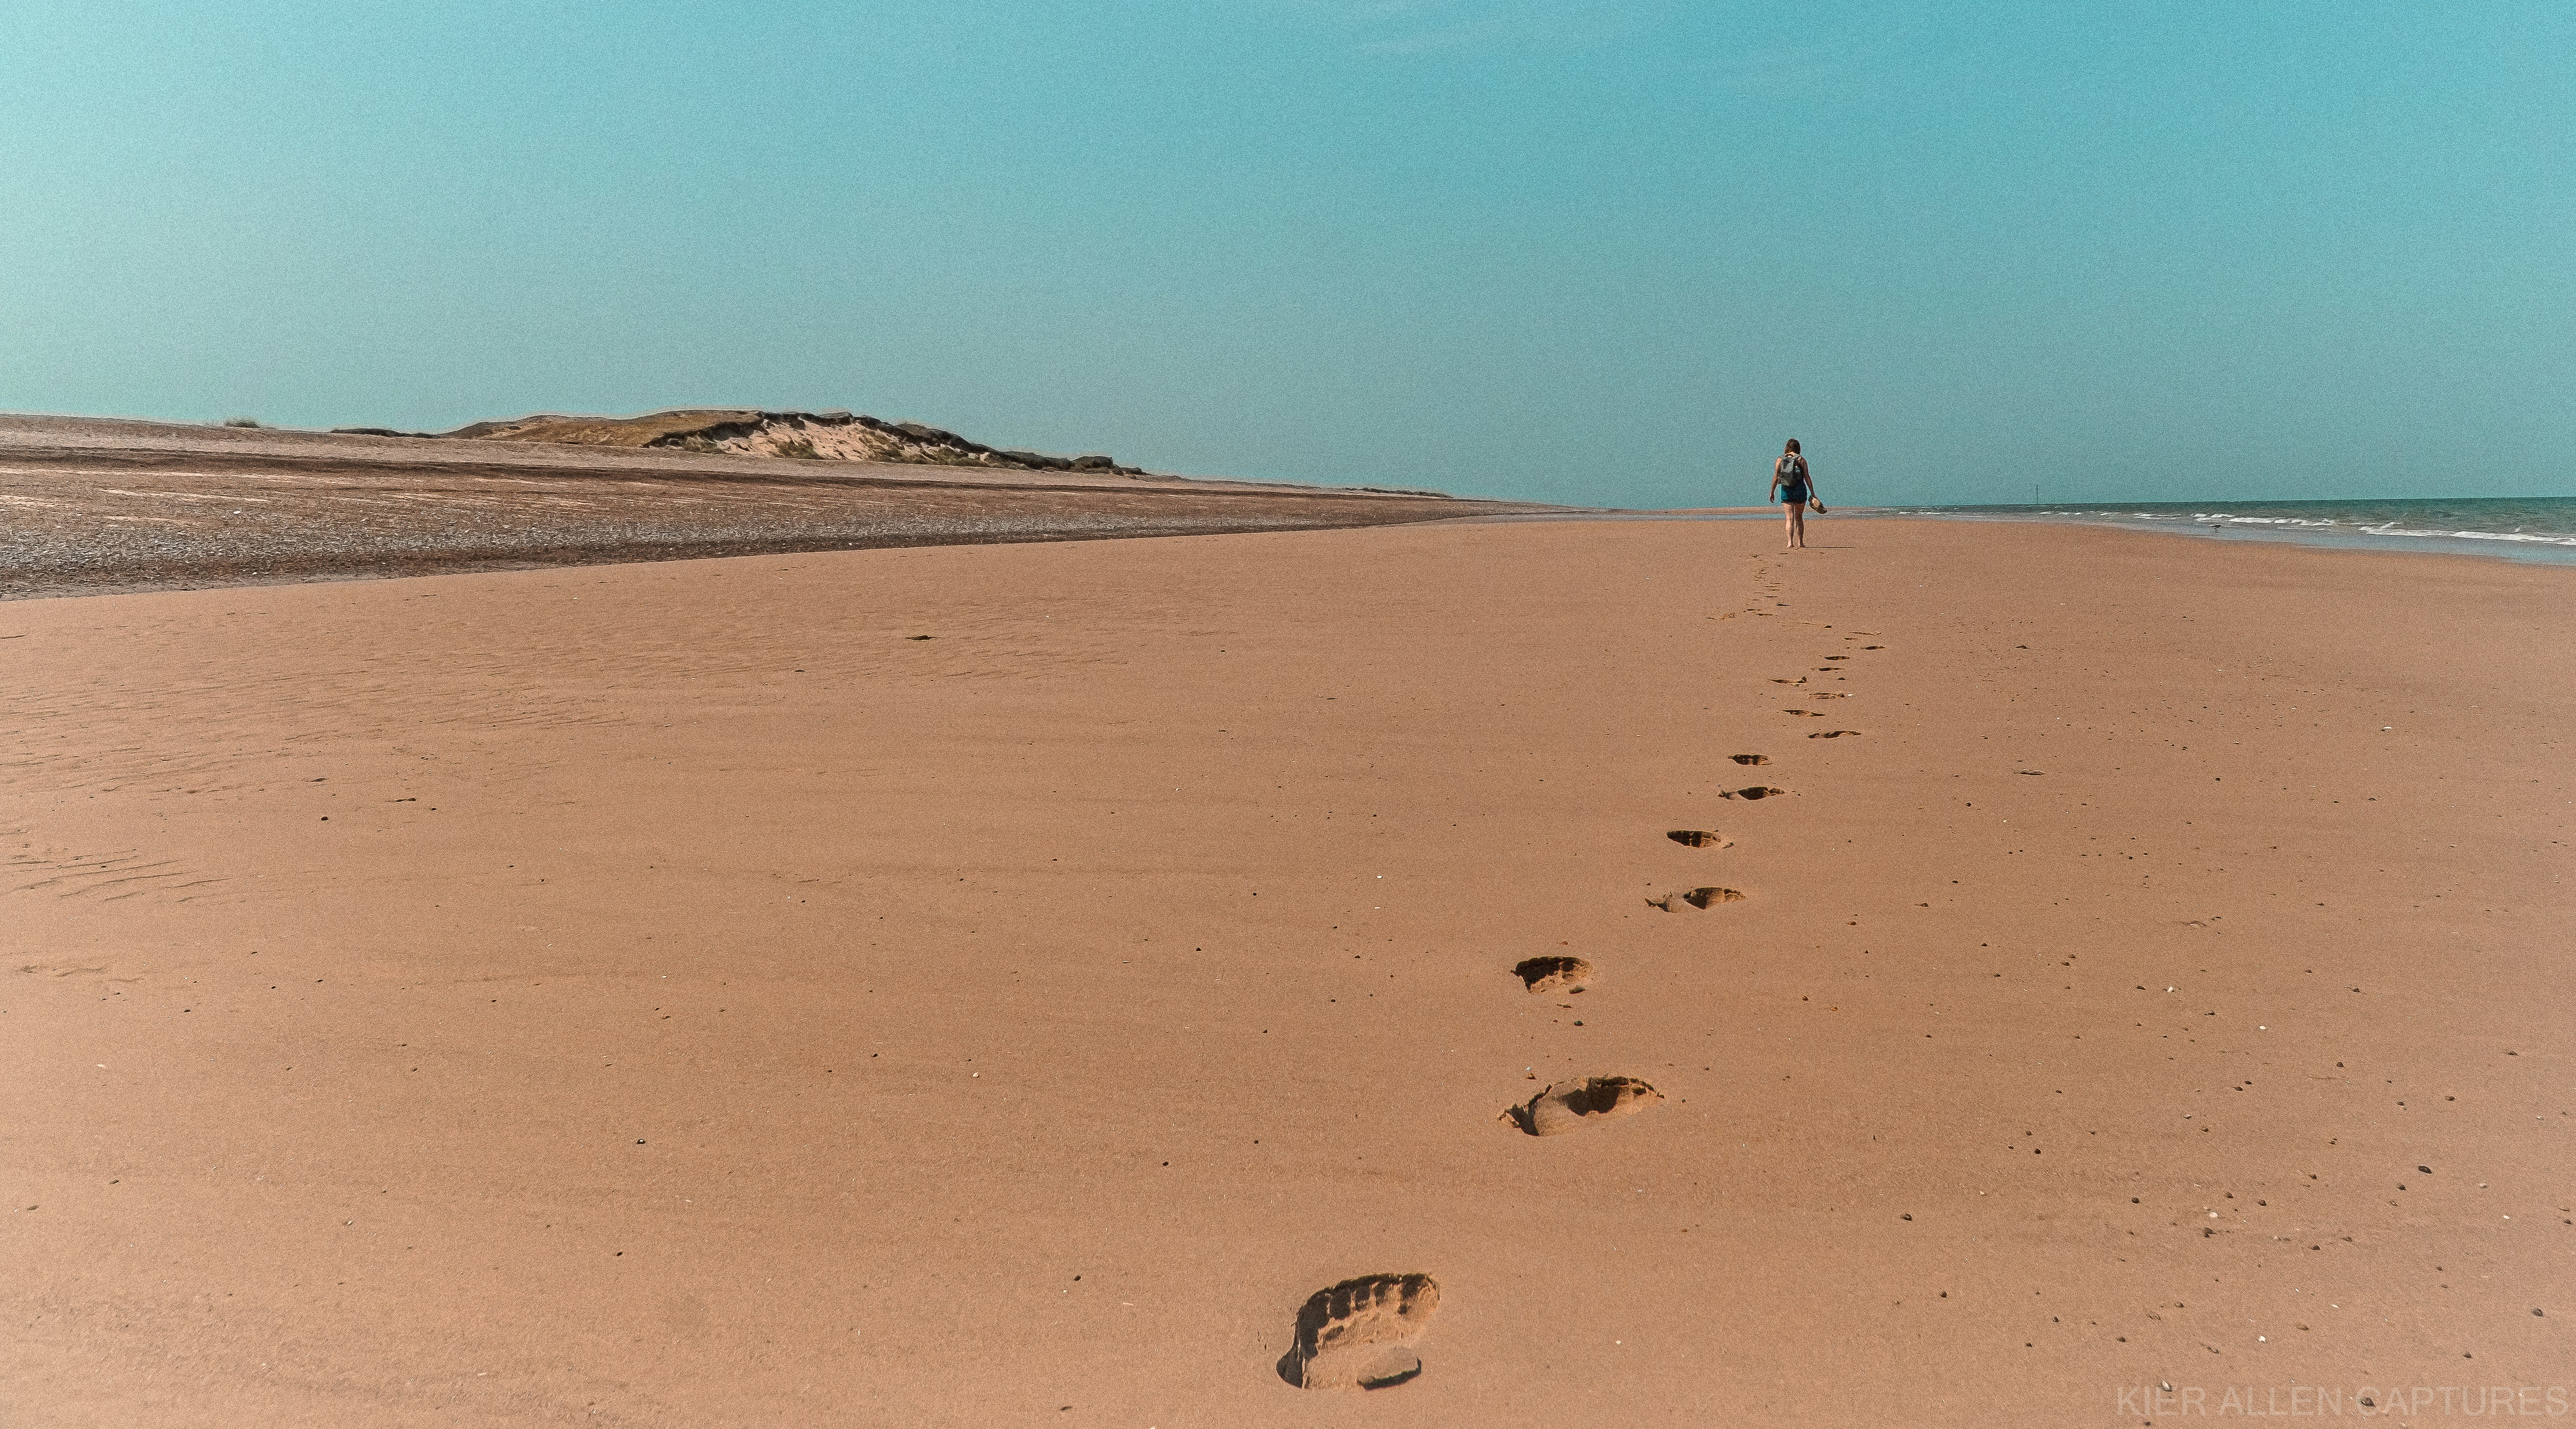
[(1604, 252)]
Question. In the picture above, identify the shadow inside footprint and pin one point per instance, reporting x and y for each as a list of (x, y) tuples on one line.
[(1750, 758), (1359, 1334), (1811, 714), (1696, 897), (1567, 1106), (1699, 838), (1552, 974), (1751, 791), (1832, 733)]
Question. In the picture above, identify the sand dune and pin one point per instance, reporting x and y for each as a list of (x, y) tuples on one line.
[(809, 436), (684, 994)]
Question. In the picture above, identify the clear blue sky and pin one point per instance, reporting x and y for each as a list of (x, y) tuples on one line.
[(1611, 251)]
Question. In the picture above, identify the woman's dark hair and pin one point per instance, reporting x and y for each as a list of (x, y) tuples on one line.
[(1793, 444)]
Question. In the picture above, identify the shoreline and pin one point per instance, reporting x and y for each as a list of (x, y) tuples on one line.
[(99, 507), (939, 985), (334, 571), (2551, 550)]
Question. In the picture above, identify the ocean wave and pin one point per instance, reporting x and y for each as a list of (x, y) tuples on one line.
[(2354, 525), (2539, 528), (2531, 536)]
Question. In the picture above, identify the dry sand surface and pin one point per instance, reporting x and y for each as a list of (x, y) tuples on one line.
[(90, 505), (680, 995)]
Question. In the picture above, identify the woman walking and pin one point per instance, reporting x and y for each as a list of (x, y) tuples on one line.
[(1793, 487)]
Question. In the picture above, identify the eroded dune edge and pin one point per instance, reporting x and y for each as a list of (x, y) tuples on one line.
[(1165, 982)]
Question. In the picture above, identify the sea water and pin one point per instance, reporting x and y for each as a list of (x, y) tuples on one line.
[(2533, 528)]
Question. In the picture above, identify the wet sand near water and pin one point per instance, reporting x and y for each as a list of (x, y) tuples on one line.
[(681, 994), (92, 506)]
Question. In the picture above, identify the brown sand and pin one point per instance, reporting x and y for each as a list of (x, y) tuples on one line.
[(675, 995)]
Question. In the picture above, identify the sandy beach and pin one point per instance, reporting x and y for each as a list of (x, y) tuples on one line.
[(999, 985)]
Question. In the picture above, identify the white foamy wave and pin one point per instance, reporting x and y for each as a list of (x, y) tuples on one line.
[(2210, 518), (2524, 528), (2229, 519), (2529, 536)]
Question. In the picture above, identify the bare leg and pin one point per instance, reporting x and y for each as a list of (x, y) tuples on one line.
[(1789, 514)]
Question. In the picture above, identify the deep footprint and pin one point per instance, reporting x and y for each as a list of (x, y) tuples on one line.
[(1697, 898), (1798, 681), (1700, 838), (1751, 791), (1832, 733), (1359, 1334), (1568, 1106), (1811, 714), (1750, 758), (1552, 974)]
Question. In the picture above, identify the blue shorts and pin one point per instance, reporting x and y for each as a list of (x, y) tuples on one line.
[(1793, 496)]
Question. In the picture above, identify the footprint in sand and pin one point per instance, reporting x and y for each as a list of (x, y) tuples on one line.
[(1359, 1334), (1552, 974), (1750, 758), (1831, 695), (1568, 1106), (1832, 733), (1696, 897), (1752, 791), (1838, 657), (1699, 838), (1800, 680), (1811, 714)]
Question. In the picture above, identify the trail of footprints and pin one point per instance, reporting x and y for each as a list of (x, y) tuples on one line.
[(1360, 1334)]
